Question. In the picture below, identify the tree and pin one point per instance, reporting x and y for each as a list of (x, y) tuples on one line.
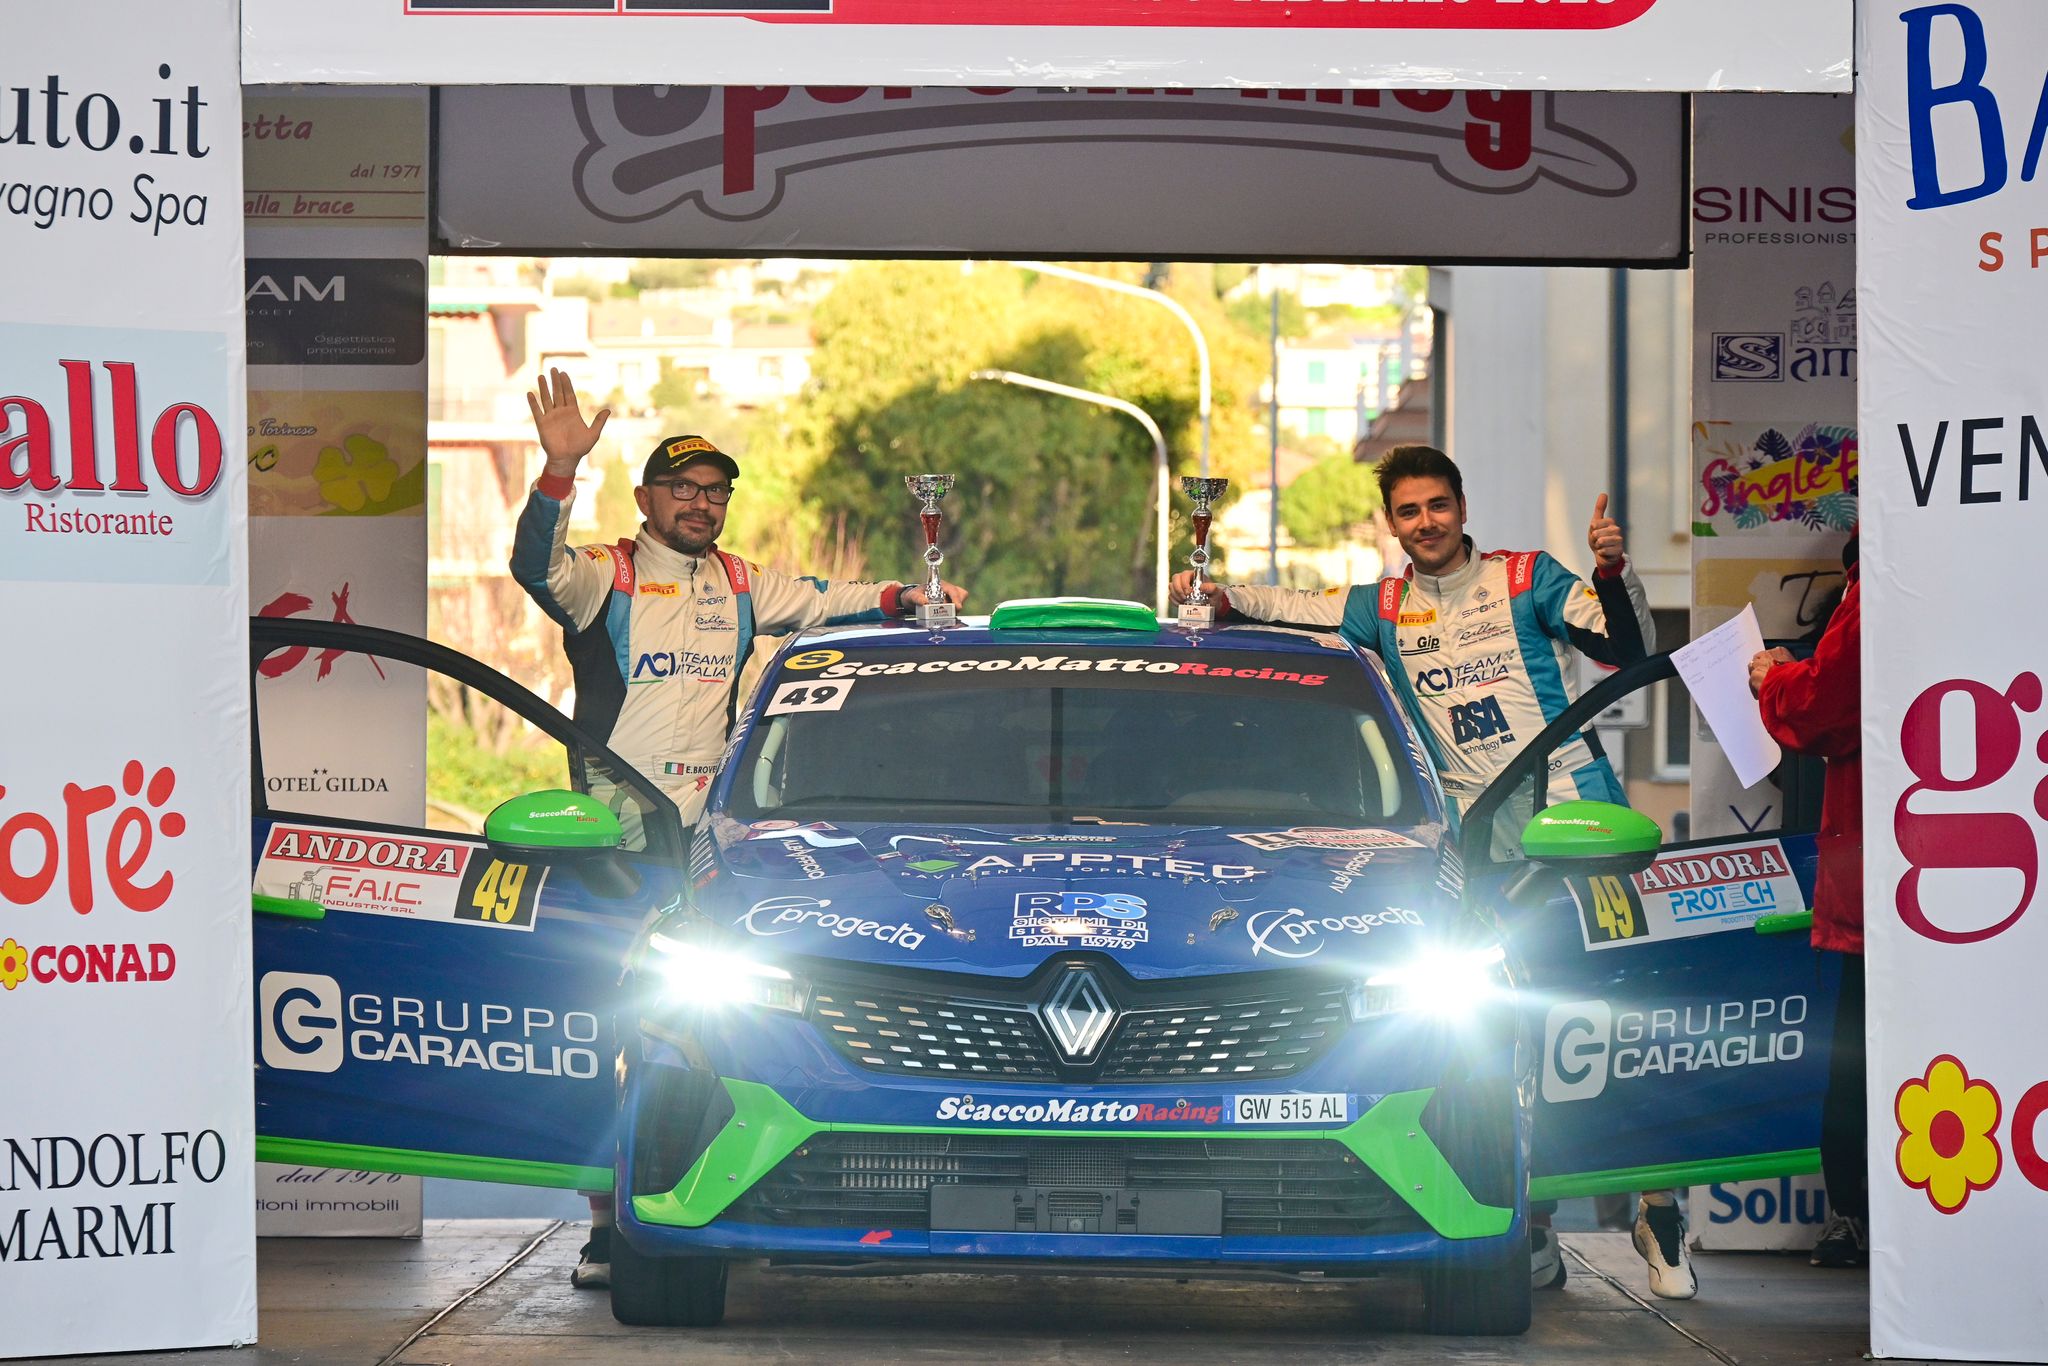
[(1051, 495), (1254, 313), (1327, 500)]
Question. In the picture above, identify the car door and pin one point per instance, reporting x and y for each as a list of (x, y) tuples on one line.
[(1682, 1020), (426, 1002)]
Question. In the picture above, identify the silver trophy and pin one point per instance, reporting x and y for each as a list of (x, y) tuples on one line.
[(1199, 610), (928, 489)]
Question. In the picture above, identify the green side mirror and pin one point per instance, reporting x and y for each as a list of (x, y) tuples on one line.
[(539, 827), (1591, 837)]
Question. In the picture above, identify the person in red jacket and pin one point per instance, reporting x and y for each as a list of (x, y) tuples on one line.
[(1814, 706)]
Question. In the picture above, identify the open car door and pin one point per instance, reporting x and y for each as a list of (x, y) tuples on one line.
[(428, 1001), (1682, 1019)]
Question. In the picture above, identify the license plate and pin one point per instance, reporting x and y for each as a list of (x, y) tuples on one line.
[(1293, 1108)]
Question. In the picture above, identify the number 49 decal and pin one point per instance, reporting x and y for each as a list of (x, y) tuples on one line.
[(809, 696), (1609, 910), (498, 893)]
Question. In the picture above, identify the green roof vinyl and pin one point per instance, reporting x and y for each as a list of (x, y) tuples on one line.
[(1101, 614)]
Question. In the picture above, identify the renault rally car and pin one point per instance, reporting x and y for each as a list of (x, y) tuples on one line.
[(1061, 939)]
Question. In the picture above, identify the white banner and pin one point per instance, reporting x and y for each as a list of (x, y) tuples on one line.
[(126, 1135), (1955, 213), (1568, 44), (1394, 175), (335, 196), (1774, 478)]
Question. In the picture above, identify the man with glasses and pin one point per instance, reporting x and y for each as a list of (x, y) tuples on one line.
[(657, 628)]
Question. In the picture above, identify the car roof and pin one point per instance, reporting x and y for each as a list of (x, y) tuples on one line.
[(974, 631)]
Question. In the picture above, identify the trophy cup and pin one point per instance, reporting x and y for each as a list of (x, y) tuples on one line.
[(928, 489), (1199, 610)]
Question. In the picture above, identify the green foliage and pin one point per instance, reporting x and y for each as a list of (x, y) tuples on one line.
[(465, 771), (673, 273), (580, 287), (1327, 500), (1052, 495), (1254, 313)]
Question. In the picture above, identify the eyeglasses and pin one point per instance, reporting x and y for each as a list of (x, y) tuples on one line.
[(686, 491)]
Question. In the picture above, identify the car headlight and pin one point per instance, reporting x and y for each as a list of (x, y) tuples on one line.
[(1450, 984), (695, 974)]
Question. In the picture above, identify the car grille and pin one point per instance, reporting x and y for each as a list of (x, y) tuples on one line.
[(1233, 1036), (1271, 1187)]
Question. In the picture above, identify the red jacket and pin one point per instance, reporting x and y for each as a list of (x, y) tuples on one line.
[(1814, 706)]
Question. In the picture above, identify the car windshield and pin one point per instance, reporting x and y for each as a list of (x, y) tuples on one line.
[(1046, 735)]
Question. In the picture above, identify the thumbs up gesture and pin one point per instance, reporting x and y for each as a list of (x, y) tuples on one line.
[(1604, 536)]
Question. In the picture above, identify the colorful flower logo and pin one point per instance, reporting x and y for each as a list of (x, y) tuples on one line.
[(1945, 1143), (356, 473), (13, 964)]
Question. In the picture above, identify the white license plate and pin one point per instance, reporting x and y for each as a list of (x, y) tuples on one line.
[(1295, 1108)]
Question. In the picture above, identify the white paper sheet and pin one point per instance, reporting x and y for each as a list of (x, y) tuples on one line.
[(1716, 670)]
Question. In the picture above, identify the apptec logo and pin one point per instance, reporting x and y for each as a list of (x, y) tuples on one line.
[(1578, 1036), (301, 1013)]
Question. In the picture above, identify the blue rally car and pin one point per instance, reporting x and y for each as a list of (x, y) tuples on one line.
[(1067, 939)]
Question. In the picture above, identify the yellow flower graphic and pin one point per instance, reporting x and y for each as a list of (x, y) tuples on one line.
[(355, 474), (13, 964), (1945, 1125)]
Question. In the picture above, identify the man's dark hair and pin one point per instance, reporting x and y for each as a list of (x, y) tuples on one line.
[(1416, 462)]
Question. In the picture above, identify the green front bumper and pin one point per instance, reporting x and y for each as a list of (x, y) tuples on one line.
[(764, 1129)]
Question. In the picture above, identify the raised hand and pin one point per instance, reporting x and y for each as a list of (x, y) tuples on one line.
[(914, 594), (1604, 536), (564, 436)]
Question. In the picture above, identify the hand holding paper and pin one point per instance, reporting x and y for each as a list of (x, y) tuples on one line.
[(1716, 670)]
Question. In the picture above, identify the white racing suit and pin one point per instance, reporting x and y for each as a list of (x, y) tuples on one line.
[(657, 639), (1481, 657)]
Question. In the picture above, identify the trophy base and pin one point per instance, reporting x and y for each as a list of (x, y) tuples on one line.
[(1197, 614), (936, 614)]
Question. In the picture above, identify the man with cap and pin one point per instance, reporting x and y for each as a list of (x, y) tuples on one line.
[(657, 628)]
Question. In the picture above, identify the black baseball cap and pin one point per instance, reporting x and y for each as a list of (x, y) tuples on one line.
[(673, 453)]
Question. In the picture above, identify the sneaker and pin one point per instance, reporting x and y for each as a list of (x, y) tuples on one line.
[(1841, 1243), (1546, 1260), (594, 1263), (1660, 1238)]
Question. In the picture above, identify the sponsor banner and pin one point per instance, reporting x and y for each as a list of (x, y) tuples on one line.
[(1600, 44), (125, 1197), (1059, 667), (336, 311), (321, 453), (373, 872), (1083, 863), (1785, 1215), (332, 159), (1694, 892), (1774, 441), (343, 733), (1420, 174), (1086, 920), (1590, 1046), (313, 1202), (1952, 260)]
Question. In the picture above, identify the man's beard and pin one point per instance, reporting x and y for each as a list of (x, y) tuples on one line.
[(682, 539)]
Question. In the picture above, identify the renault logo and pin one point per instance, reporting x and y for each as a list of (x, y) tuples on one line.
[(1079, 1015)]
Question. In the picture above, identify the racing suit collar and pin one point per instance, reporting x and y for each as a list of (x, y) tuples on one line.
[(1457, 581), (652, 559)]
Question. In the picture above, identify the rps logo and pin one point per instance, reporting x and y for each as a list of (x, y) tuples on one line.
[(93, 855)]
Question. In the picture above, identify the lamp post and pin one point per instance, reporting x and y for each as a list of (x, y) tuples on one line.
[(1082, 277), (1144, 420)]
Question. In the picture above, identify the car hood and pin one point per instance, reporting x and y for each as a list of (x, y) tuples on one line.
[(1162, 901)]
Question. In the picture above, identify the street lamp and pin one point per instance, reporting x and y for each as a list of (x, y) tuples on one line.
[(1082, 277), (1144, 420)]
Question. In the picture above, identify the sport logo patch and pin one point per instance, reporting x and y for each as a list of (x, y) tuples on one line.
[(659, 590), (1423, 618)]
